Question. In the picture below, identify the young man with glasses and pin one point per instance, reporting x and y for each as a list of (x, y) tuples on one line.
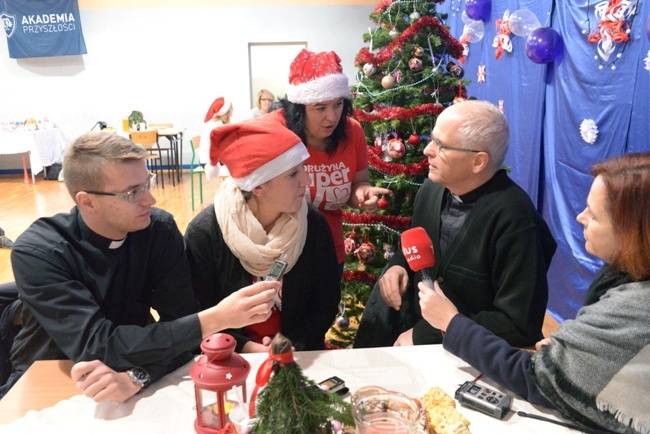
[(492, 248), (88, 279)]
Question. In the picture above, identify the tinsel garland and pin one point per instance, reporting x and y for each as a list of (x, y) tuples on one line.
[(375, 159), (454, 48), (392, 221), (400, 113), (360, 276), (383, 4)]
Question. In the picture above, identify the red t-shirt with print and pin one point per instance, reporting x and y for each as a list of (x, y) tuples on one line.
[(331, 177)]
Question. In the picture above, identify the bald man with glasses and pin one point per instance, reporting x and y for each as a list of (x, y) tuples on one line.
[(492, 248), (89, 279)]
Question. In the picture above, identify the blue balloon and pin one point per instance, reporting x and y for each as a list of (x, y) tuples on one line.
[(544, 45), (478, 9)]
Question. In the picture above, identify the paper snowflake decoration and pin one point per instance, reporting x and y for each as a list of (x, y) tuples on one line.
[(589, 131), (481, 73), (647, 62)]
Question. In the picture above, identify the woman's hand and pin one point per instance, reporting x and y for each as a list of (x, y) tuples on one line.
[(541, 344), (437, 309), (363, 195), (367, 196)]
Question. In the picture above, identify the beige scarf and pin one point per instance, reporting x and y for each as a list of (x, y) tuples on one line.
[(247, 239)]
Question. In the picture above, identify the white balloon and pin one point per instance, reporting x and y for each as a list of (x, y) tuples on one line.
[(465, 18), (475, 31), (521, 22)]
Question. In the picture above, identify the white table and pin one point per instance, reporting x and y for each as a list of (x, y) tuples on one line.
[(167, 406), (45, 147)]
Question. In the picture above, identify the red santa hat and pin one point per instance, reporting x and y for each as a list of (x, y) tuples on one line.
[(316, 77), (219, 107), (254, 151)]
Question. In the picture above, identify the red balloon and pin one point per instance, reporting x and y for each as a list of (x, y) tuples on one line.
[(544, 45)]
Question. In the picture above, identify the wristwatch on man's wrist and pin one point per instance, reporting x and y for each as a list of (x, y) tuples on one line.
[(139, 376)]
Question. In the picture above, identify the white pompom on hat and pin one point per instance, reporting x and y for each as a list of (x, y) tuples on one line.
[(254, 151), (316, 77)]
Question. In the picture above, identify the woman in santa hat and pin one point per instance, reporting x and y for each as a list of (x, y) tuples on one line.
[(218, 114), (318, 110), (261, 214)]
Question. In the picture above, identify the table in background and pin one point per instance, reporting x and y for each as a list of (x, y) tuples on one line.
[(175, 137), (167, 406), (45, 147)]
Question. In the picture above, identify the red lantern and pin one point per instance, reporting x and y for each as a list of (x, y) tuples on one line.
[(217, 370)]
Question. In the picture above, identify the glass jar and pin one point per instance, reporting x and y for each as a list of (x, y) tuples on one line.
[(378, 411)]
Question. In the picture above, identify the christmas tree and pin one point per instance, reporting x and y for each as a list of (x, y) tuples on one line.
[(409, 72), (292, 403)]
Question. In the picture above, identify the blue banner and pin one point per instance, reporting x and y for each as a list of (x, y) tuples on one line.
[(42, 28)]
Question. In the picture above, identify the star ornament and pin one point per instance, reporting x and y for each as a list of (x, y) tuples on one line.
[(229, 376), (481, 73)]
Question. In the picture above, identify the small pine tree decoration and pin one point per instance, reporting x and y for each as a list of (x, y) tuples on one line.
[(291, 403), (407, 75)]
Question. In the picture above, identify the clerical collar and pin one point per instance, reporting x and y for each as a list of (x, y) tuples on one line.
[(474, 195), (116, 244)]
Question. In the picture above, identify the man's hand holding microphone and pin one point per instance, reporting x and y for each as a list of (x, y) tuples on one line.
[(437, 309)]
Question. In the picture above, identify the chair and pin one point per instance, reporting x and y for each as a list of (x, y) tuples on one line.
[(175, 142), (149, 141), (195, 168)]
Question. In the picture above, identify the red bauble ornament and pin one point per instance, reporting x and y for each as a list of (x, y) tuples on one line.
[(366, 252), (383, 203), (415, 64), (396, 148), (351, 242), (414, 139)]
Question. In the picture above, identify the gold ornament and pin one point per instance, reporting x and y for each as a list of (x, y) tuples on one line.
[(388, 81)]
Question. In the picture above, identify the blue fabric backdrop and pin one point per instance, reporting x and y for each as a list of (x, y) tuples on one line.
[(545, 105)]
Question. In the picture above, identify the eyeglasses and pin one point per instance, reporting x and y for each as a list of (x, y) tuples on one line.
[(132, 196), (266, 99), (440, 148)]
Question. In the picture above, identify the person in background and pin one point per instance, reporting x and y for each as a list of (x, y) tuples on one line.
[(5, 242), (259, 215), (218, 114), (594, 369), (88, 279), (264, 100), (317, 109), (492, 248)]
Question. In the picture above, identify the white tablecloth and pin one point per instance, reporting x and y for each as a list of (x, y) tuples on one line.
[(167, 406), (45, 147)]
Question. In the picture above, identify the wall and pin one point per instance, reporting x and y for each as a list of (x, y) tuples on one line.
[(168, 59)]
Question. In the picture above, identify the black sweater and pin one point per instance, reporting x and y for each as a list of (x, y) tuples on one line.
[(494, 270), (310, 291)]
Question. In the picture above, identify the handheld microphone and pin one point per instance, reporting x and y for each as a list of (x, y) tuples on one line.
[(417, 248)]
